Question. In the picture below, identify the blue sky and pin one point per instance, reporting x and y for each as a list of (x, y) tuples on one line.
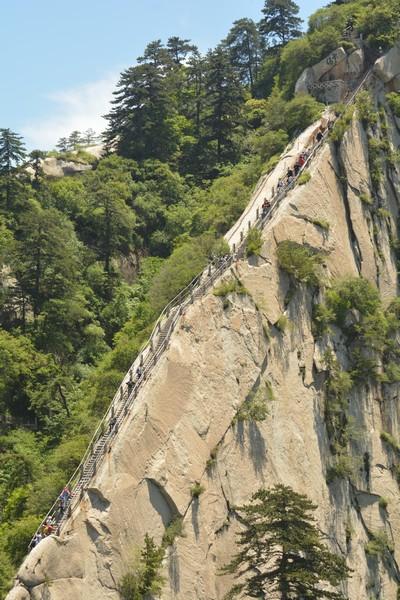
[(60, 60)]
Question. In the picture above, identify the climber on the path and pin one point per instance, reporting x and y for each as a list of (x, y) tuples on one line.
[(49, 527), (65, 498), (112, 423), (139, 373), (36, 539), (266, 205)]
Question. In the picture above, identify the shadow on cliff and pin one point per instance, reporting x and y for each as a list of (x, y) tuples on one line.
[(195, 517), (249, 429), (256, 445), (174, 570)]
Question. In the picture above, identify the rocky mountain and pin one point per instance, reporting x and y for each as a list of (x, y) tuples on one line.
[(184, 431)]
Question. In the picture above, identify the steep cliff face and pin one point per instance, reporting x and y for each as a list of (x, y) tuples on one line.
[(221, 352)]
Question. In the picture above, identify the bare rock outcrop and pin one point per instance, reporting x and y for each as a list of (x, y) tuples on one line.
[(56, 167), (330, 79), (387, 68)]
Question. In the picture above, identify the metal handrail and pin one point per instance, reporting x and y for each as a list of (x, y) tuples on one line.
[(123, 399)]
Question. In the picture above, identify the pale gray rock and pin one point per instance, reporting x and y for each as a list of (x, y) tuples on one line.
[(305, 81), (55, 167), (387, 67), (19, 593), (330, 62)]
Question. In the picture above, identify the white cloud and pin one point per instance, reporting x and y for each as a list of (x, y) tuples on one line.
[(77, 108)]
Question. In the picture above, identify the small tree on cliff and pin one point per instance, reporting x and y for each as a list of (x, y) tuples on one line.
[(281, 553), (144, 579)]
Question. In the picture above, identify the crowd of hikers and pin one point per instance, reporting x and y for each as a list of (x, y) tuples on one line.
[(294, 170), (52, 523)]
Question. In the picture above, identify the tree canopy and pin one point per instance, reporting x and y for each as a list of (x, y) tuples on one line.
[(281, 551)]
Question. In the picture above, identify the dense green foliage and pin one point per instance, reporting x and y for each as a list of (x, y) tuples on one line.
[(87, 262), (281, 550)]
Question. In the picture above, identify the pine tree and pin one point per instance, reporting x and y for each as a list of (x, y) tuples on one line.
[(74, 139), (36, 156), (245, 48), (89, 136), (281, 550), (62, 144), (224, 98), (151, 559), (144, 580), (179, 49), (141, 121), (280, 22), (110, 221), (12, 153)]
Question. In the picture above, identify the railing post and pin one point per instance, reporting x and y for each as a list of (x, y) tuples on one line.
[(234, 248), (121, 392), (112, 411), (151, 345), (249, 224), (159, 326), (141, 360), (258, 213), (241, 236), (191, 297), (209, 270)]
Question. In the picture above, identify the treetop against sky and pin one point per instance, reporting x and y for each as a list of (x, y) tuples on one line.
[(63, 61)]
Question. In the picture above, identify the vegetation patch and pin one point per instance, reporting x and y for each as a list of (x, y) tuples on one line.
[(366, 111), (343, 468), (341, 125), (379, 544), (366, 199), (304, 178), (230, 286), (196, 490), (212, 461), (300, 261), (253, 242), (255, 407), (383, 503), (172, 531), (322, 223), (393, 99), (282, 323), (390, 441)]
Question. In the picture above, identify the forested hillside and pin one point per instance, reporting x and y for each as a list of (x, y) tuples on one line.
[(88, 261)]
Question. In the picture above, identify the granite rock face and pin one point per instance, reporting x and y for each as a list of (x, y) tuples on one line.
[(387, 68), (221, 352), (329, 79)]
